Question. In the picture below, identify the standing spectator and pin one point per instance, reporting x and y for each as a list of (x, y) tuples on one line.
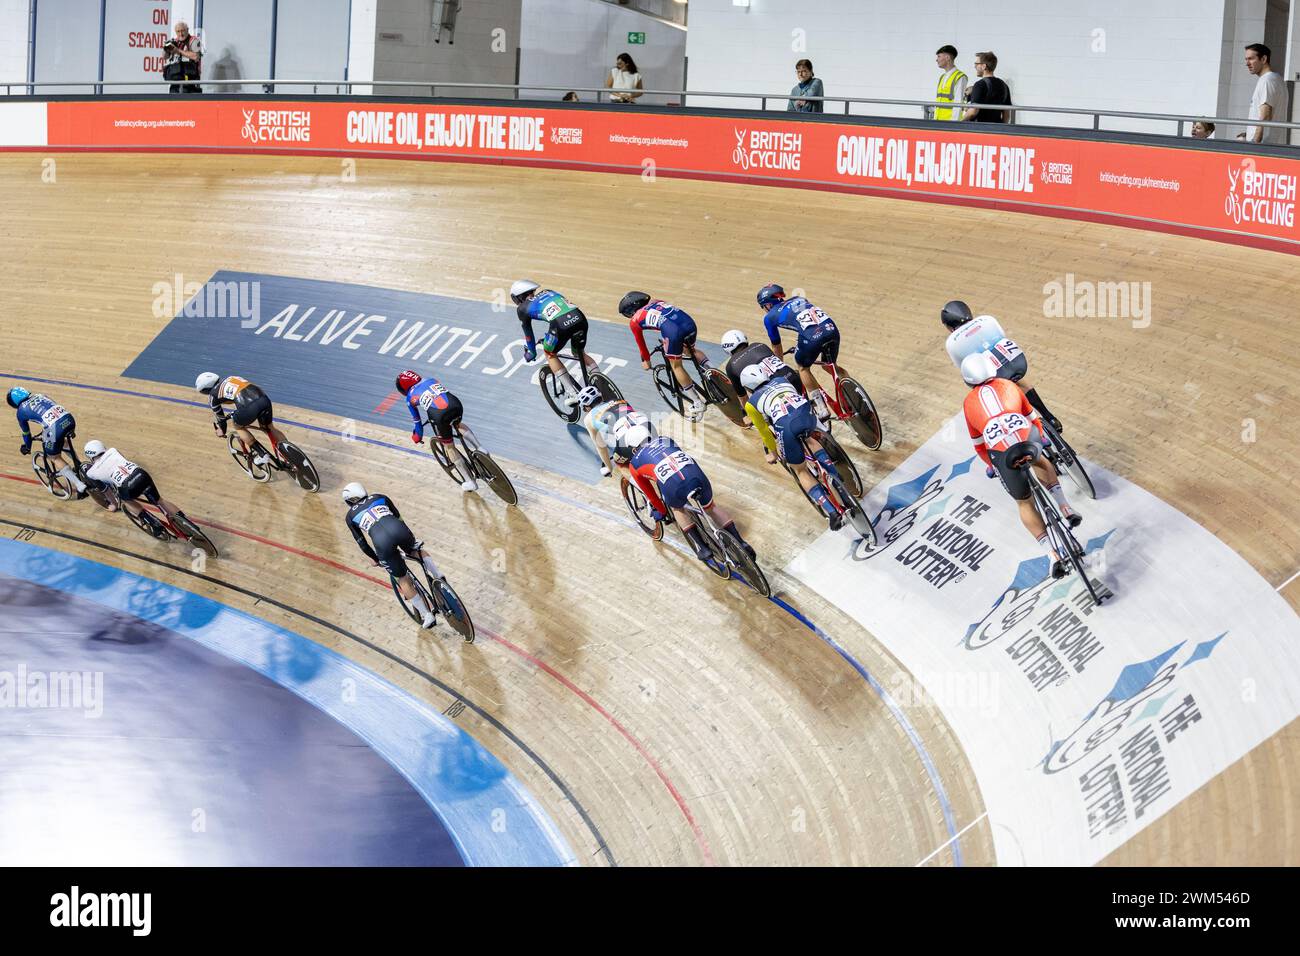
[(624, 79), (808, 85), (1268, 102), (1202, 129), (570, 97), (183, 60), (987, 89), (952, 83)]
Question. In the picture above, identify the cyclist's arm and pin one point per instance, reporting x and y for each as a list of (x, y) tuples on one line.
[(22, 425), (760, 423), (638, 333), (598, 440), (977, 437), (418, 421), (1032, 414), (650, 488), (526, 322), (772, 323), (362, 543)]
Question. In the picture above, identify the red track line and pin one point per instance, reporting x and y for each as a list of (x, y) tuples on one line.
[(387, 403), (542, 665)]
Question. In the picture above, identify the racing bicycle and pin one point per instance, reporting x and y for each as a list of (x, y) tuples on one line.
[(557, 392), (438, 594), (483, 466), (712, 383), (1059, 534), (849, 402), (284, 456)]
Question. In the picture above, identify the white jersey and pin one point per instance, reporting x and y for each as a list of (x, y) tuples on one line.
[(979, 335), (111, 468)]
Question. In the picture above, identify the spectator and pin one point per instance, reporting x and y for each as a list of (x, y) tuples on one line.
[(987, 89), (1202, 129), (624, 79), (183, 57), (808, 85), (952, 83), (1269, 99), (570, 97)]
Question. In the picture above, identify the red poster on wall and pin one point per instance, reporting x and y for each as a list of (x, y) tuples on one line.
[(1225, 195)]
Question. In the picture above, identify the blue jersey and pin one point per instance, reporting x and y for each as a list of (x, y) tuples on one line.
[(42, 411), (662, 462), (425, 399), (798, 315), (546, 306)]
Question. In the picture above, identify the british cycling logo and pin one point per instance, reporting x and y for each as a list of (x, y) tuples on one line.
[(763, 149), (1139, 694), (276, 126), (1258, 197)]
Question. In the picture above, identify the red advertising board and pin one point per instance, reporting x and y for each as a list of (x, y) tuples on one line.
[(1224, 195)]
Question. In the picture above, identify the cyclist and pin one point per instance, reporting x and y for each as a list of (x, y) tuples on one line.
[(566, 324), (660, 467), (678, 331), (999, 417), (745, 353), (251, 408), (378, 517), (968, 335), (57, 428), (108, 471), (608, 424), (818, 337), (429, 403), (785, 420)]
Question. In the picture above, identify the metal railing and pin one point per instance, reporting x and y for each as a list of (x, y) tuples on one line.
[(925, 108)]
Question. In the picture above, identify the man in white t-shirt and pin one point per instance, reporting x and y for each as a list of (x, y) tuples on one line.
[(1268, 102)]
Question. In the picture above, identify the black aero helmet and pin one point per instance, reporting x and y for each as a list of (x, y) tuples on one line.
[(956, 314), (632, 303)]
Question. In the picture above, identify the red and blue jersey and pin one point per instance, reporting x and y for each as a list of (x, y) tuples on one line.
[(798, 315), (668, 320), (426, 398), (661, 462)]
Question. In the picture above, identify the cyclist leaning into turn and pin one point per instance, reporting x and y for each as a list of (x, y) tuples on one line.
[(818, 337), (107, 471), (678, 331), (251, 408), (57, 428), (566, 324), (429, 403)]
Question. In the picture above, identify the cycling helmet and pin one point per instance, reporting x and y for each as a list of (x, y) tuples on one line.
[(17, 395), (94, 448), (978, 368), (752, 377), (407, 381), (956, 314), (733, 340), (353, 492), (632, 303), (206, 382), (588, 397), (770, 295), (522, 289), (635, 437)]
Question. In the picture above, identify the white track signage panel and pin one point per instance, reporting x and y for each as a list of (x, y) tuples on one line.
[(1083, 723)]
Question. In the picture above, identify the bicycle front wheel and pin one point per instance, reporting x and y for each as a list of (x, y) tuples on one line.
[(244, 459), (195, 536), (743, 564), (497, 479), (303, 470), (556, 394), (1067, 460), (452, 609), (640, 510), (667, 387), (864, 420)]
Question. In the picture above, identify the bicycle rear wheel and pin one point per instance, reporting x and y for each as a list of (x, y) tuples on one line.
[(496, 479), (719, 391), (146, 523), (408, 604), (555, 392), (195, 536), (742, 563), (303, 470), (1065, 459), (667, 387), (609, 392), (844, 465), (640, 510), (244, 459), (864, 421), (453, 610)]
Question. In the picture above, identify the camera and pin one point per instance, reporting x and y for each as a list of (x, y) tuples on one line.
[(169, 47)]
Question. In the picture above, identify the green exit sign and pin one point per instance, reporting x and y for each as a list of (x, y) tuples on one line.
[(636, 38)]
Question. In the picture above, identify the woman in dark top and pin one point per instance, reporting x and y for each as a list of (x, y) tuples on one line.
[(808, 85)]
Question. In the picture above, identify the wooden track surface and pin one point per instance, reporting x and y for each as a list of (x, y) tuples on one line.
[(662, 716)]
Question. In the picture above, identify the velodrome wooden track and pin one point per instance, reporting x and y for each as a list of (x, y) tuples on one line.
[(689, 721)]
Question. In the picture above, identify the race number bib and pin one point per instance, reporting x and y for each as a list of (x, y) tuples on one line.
[(232, 386), (1004, 431), (50, 417), (432, 396), (366, 520), (121, 472), (779, 402), (810, 317), (672, 466), (773, 366), (553, 308)]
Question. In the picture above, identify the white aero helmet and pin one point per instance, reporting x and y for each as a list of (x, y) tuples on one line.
[(521, 288), (978, 368), (733, 340), (206, 382), (353, 492), (94, 448), (636, 436), (752, 377)]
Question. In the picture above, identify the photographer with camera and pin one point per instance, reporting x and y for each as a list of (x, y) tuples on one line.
[(183, 55)]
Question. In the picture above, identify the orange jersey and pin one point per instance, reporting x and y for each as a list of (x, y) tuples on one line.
[(999, 415)]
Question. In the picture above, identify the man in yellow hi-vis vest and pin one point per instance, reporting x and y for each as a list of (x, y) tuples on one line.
[(952, 83)]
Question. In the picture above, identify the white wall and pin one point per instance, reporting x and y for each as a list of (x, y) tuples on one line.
[(13, 40), (361, 43), (471, 58), (572, 43), (1149, 56)]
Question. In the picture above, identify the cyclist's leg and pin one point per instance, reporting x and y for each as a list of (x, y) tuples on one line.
[(1052, 482), (389, 547), (149, 492), (426, 559), (554, 340), (444, 422), (266, 420), (58, 437)]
